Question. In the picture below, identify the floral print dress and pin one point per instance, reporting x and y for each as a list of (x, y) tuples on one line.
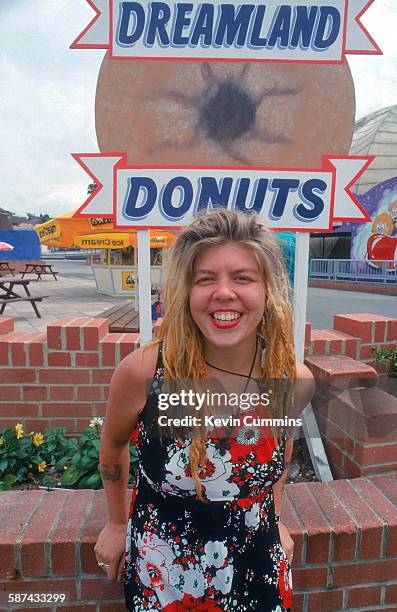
[(221, 554)]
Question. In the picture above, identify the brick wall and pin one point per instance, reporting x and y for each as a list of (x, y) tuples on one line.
[(59, 378), (345, 557), (350, 286)]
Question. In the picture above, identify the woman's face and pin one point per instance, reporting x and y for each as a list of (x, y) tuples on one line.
[(227, 295)]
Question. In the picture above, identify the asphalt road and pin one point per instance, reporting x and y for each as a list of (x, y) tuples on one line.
[(322, 304)]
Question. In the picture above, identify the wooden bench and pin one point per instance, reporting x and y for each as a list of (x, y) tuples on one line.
[(122, 317), (5, 267), (31, 299)]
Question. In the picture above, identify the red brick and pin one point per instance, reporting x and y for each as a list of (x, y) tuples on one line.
[(34, 393), (314, 520), (379, 469), (35, 349), (297, 602), (21, 410), (367, 521), (54, 332), (82, 423), (388, 485), (77, 608), (108, 348), (91, 392), (355, 324), (351, 468), (66, 533), (74, 334), (361, 573), (308, 329), (32, 542), (70, 424), (391, 593), (371, 454), (344, 531), (93, 331), (36, 424), (309, 577), (96, 520), (333, 452), (328, 601), (10, 393), (102, 376), (384, 508), (18, 353), (71, 376), (128, 344), (87, 360), (294, 526), (367, 351), (72, 409), (6, 325), (101, 588), (62, 393), (22, 508), (340, 370), (43, 586), (391, 333), (61, 360), (365, 596), (113, 607), (17, 375)]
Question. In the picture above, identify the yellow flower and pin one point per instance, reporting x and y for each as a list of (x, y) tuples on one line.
[(38, 439), (42, 466), (1, 440), (19, 430)]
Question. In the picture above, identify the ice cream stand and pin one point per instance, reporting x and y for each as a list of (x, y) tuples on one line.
[(114, 252)]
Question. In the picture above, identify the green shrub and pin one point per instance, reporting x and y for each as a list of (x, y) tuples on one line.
[(51, 459), (390, 357)]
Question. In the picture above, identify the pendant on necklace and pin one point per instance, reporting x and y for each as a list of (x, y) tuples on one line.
[(248, 434)]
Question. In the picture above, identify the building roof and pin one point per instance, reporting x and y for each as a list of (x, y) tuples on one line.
[(376, 134)]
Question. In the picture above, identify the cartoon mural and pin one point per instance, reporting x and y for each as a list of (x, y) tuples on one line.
[(376, 240)]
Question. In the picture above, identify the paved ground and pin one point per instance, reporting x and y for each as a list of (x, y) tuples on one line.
[(75, 294)]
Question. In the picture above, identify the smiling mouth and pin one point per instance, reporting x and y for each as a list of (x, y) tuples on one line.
[(225, 316)]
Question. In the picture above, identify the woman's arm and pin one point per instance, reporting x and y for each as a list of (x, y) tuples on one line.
[(127, 397)]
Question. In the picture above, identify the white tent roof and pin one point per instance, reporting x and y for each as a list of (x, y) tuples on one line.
[(376, 134)]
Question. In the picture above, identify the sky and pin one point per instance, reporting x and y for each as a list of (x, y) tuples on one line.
[(47, 96)]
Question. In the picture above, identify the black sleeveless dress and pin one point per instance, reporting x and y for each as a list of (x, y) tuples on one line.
[(184, 554)]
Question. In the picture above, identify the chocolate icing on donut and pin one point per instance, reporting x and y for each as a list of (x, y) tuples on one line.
[(224, 113)]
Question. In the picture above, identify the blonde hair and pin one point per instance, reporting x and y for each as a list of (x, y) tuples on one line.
[(383, 218), (183, 357)]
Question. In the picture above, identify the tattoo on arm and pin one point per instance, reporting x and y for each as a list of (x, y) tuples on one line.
[(110, 472)]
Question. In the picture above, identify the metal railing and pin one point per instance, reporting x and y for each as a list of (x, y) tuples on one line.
[(379, 271)]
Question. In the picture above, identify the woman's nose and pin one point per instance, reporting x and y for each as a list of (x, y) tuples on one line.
[(224, 291)]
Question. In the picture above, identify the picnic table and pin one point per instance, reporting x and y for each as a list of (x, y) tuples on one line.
[(39, 269), (122, 318), (5, 267), (9, 295)]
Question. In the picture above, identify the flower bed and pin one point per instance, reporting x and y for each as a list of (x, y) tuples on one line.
[(51, 459)]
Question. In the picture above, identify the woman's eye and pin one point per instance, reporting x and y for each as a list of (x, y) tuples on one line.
[(243, 279), (204, 280)]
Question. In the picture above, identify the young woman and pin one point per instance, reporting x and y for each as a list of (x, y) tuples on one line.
[(203, 527)]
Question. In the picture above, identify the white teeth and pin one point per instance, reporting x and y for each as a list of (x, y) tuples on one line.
[(226, 316)]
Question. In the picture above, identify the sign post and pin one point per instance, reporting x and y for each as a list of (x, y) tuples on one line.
[(144, 287)]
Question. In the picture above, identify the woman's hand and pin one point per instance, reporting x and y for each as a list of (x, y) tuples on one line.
[(286, 541), (110, 549)]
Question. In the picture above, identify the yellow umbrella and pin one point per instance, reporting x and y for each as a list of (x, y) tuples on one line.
[(61, 230), (67, 231)]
